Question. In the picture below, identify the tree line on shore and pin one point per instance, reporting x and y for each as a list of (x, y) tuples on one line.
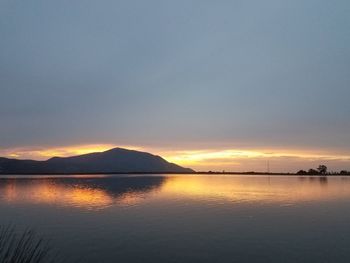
[(322, 170)]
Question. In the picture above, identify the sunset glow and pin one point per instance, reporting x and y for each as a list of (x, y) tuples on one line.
[(47, 192), (174, 131), (202, 160), (228, 189), (40, 153), (251, 189), (236, 158)]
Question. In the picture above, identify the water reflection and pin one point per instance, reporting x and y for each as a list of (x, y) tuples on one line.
[(95, 193), (185, 218), (274, 189), (82, 192), (323, 180)]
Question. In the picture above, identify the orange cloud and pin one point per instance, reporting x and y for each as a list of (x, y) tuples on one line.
[(252, 160), (204, 160), (39, 153)]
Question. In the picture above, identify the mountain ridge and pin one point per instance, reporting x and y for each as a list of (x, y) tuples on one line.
[(115, 160)]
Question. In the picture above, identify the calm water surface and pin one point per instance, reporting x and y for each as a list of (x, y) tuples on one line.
[(181, 218)]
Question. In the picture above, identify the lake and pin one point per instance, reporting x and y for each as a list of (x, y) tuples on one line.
[(184, 218)]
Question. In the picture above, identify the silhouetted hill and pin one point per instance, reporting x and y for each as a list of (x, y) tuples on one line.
[(116, 160)]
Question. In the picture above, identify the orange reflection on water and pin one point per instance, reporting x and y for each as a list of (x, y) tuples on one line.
[(96, 195), (50, 191), (10, 192), (283, 190), (45, 192)]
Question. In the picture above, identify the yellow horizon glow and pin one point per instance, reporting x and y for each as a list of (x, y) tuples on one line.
[(63, 151), (218, 158), (197, 159)]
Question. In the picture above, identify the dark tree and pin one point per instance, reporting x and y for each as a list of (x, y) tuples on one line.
[(301, 172), (313, 172), (322, 169)]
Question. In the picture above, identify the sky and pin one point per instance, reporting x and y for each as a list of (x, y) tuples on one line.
[(213, 85)]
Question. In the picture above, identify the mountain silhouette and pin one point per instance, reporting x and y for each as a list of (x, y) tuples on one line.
[(117, 160)]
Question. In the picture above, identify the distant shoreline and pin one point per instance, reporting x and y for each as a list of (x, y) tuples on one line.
[(125, 161), (183, 173)]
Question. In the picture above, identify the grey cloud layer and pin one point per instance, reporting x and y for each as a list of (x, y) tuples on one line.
[(267, 73)]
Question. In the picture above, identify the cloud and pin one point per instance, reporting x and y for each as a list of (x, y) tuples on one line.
[(239, 160)]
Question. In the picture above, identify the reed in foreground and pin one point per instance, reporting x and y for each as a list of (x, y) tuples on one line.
[(24, 247)]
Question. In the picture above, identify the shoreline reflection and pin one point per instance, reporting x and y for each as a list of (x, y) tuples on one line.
[(97, 193), (88, 193)]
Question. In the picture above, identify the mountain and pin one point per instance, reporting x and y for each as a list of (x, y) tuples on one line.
[(117, 160)]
